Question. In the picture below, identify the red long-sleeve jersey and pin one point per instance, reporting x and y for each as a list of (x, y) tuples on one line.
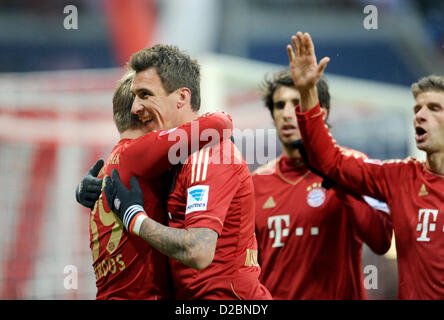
[(414, 194), (214, 190), (309, 238), (126, 266)]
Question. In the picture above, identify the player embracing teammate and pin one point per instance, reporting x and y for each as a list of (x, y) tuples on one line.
[(201, 212), (207, 199)]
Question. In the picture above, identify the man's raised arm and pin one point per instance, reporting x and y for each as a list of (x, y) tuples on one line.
[(359, 175), (305, 70)]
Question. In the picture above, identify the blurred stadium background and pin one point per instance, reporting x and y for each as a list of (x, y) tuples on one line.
[(56, 87)]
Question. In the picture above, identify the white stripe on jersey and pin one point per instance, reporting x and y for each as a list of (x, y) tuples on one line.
[(193, 163), (195, 160), (199, 162), (205, 168)]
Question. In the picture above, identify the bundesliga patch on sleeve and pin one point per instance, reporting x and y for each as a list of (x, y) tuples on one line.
[(197, 198)]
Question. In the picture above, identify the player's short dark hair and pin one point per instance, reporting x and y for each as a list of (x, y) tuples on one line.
[(175, 68), (429, 83), (122, 102), (283, 79)]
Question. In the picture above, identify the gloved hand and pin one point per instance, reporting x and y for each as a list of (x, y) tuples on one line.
[(90, 187), (126, 204)]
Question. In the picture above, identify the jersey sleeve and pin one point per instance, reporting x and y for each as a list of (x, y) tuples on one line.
[(210, 189), (154, 153), (362, 176), (371, 222)]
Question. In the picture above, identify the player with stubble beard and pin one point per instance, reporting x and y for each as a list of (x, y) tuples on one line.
[(127, 267), (210, 234)]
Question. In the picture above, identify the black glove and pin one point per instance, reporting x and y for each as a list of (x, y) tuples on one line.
[(90, 187), (126, 204)]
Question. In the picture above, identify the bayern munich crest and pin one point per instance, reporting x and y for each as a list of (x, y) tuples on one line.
[(316, 196)]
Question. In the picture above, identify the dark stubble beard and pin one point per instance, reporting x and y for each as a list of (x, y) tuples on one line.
[(297, 144)]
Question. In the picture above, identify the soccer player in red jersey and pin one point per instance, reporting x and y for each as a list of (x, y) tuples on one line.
[(214, 192), (127, 267), (210, 238), (310, 238), (414, 190)]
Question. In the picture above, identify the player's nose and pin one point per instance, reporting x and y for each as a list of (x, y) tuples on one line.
[(420, 115), (289, 110), (136, 108)]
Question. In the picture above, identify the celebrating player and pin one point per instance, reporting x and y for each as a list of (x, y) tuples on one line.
[(211, 210), (309, 238), (413, 189), (127, 267)]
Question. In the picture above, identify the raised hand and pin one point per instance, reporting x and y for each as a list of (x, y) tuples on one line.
[(304, 68)]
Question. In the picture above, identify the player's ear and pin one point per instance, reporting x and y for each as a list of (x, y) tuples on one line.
[(184, 97)]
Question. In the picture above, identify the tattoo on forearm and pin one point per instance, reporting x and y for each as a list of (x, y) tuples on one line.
[(179, 244)]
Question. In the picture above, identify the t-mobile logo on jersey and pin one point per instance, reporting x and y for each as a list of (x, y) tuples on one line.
[(279, 230), (426, 224)]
